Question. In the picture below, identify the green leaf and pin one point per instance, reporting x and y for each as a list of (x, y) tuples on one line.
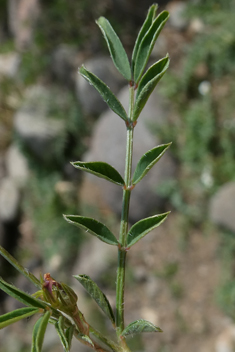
[(148, 83), (116, 49), (139, 326), (59, 325), (94, 227), (16, 315), (19, 267), (147, 44), (100, 169), (96, 293), (143, 227), (145, 27), (147, 161), (69, 335), (21, 295), (39, 332), (105, 92)]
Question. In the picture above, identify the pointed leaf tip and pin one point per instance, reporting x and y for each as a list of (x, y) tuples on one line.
[(100, 169), (94, 227), (96, 293), (115, 47)]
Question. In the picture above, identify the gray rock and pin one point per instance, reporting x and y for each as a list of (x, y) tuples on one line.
[(225, 342), (109, 143), (222, 205), (9, 200), (94, 258), (9, 64), (177, 18), (22, 15), (64, 63), (35, 122), (16, 166), (90, 99)]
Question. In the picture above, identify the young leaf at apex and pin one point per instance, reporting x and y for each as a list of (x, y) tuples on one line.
[(94, 227), (147, 44), (144, 29), (139, 326), (116, 49), (105, 92), (143, 227), (147, 161), (100, 169), (96, 293), (147, 84)]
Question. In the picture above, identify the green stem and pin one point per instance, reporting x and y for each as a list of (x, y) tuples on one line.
[(120, 282)]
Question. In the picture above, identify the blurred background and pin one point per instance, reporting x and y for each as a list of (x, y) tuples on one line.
[(182, 275)]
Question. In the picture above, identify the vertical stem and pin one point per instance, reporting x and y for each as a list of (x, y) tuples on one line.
[(120, 282)]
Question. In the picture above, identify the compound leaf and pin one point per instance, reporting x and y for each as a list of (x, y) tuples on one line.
[(147, 84), (115, 46), (100, 169), (39, 332), (147, 161), (139, 326), (94, 227), (21, 295), (16, 315), (105, 92), (147, 44), (143, 227), (96, 293)]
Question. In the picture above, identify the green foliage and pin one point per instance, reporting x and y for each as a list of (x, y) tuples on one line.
[(147, 161), (94, 227), (143, 227), (57, 300), (105, 92), (116, 49), (139, 326)]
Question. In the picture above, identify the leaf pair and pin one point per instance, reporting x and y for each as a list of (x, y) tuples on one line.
[(108, 172), (136, 232)]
